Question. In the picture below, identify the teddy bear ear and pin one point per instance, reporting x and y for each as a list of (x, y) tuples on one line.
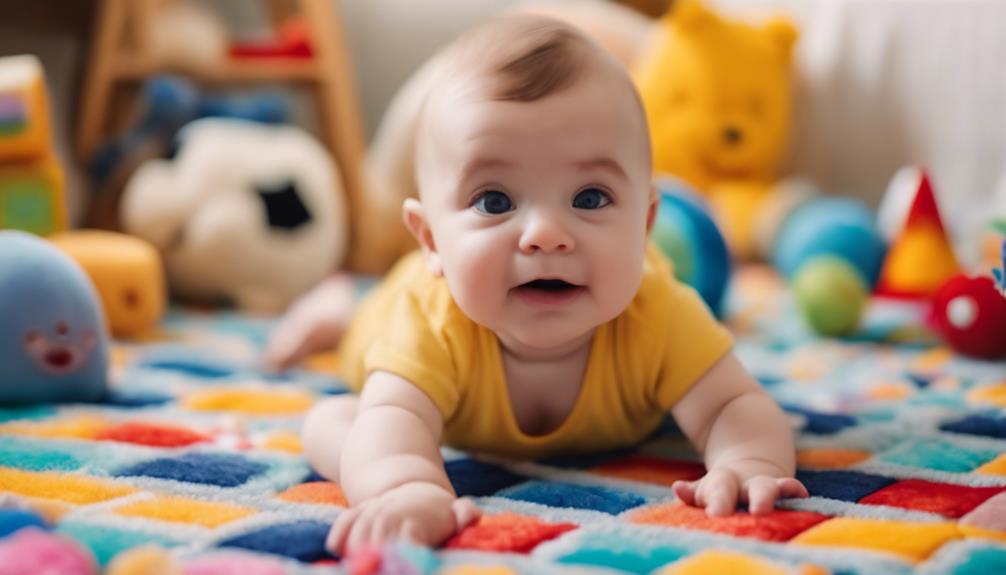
[(689, 15), (784, 33)]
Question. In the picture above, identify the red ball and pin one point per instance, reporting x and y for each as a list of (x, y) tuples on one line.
[(970, 315)]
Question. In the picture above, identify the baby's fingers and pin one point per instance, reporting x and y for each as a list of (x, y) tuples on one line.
[(718, 494), (336, 540), (465, 512), (762, 492), (685, 491), (790, 487)]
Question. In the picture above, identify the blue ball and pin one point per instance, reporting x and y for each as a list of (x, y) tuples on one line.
[(688, 236), (53, 341), (840, 227)]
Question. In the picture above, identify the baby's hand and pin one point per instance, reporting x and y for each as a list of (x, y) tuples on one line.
[(314, 323), (720, 490), (423, 513)]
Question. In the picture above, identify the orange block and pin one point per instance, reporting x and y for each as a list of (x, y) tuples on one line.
[(779, 525), (830, 458), (318, 492)]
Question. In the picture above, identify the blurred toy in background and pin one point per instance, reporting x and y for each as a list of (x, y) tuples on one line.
[(246, 212), (831, 295), (127, 273), (166, 104), (293, 40), (53, 340), (969, 313), (32, 195), (717, 98), (686, 233), (185, 33), (921, 258)]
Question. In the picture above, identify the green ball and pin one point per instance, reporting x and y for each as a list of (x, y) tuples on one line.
[(831, 294)]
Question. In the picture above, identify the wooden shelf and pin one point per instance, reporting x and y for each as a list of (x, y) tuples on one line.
[(224, 72)]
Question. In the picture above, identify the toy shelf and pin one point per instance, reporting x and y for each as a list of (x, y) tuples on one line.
[(118, 57)]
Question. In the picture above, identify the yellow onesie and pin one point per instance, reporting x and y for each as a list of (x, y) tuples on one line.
[(641, 363)]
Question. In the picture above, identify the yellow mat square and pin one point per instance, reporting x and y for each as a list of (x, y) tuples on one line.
[(76, 489), (76, 428), (715, 562), (257, 401), (182, 510), (913, 541)]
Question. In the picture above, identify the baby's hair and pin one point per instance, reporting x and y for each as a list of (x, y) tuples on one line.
[(551, 61)]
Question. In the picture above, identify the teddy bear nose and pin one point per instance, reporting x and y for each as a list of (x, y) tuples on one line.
[(732, 135)]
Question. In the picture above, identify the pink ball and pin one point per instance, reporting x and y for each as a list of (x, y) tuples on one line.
[(32, 551)]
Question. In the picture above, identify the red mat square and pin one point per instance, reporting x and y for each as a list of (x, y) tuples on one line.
[(779, 525), (943, 498), (507, 533)]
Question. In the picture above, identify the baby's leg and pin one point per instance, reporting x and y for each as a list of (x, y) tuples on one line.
[(325, 430)]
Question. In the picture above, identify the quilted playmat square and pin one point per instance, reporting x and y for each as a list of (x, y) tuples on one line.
[(194, 464)]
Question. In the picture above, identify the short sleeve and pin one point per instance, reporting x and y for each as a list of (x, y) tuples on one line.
[(693, 341), (412, 348)]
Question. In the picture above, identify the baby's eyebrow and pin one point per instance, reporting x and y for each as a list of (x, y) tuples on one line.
[(603, 164), (478, 164)]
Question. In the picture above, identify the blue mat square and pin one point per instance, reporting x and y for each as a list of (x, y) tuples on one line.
[(593, 497), (301, 540), (477, 479), (223, 470), (842, 485)]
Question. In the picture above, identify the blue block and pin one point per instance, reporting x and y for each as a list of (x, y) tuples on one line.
[(477, 479), (938, 455), (593, 497), (978, 425), (821, 423), (842, 485), (12, 520), (621, 553), (301, 540), (983, 562), (224, 470)]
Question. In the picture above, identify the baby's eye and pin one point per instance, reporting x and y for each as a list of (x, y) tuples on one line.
[(493, 202), (591, 199)]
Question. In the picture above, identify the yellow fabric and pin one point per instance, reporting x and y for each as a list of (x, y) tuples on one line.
[(913, 541), (641, 363), (714, 562), (183, 510), (71, 488)]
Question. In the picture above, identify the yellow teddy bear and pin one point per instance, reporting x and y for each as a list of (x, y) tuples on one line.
[(717, 98)]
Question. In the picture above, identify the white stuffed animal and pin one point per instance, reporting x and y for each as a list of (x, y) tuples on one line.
[(246, 212)]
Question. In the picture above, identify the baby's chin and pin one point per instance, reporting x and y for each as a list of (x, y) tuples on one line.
[(543, 339)]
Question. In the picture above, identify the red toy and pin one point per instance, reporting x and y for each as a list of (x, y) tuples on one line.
[(970, 315)]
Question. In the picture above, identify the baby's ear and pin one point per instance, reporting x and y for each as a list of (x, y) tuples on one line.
[(651, 212), (415, 221)]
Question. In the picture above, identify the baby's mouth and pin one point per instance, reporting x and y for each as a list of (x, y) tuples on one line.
[(549, 292)]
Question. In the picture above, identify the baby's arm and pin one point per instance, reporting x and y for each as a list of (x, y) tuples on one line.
[(391, 471), (745, 439)]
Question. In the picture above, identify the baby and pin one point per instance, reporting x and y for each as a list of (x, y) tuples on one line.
[(537, 319)]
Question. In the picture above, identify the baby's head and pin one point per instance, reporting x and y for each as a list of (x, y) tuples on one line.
[(533, 168)]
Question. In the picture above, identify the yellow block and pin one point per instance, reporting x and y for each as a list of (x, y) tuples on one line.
[(972, 531), (75, 428), (127, 273), (830, 458), (256, 401), (283, 441), (995, 467), (716, 562), (25, 133), (993, 395), (182, 510), (913, 541), (71, 488)]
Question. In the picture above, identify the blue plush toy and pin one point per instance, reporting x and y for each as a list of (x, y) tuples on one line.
[(688, 236), (53, 341)]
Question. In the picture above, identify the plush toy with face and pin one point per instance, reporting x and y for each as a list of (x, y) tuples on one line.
[(246, 212), (53, 340)]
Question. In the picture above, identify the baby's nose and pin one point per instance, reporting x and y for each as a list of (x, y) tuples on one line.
[(544, 235)]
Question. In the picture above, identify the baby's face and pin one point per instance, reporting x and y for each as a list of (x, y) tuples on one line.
[(539, 211)]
